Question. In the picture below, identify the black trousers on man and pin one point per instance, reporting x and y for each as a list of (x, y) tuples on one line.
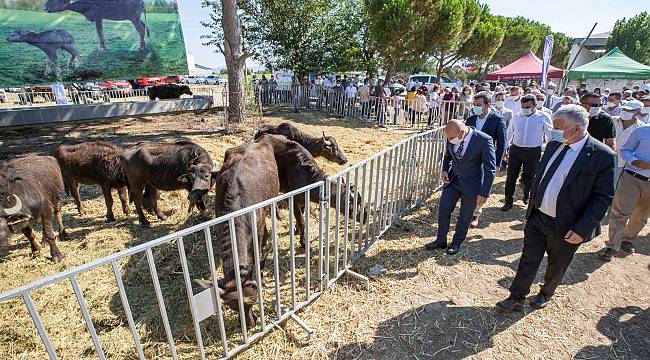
[(518, 158), (541, 237)]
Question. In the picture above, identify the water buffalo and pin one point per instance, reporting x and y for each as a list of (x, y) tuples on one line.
[(94, 163), (30, 191), (249, 175), (49, 42), (180, 165), (325, 146), (297, 168), (98, 10), (168, 91)]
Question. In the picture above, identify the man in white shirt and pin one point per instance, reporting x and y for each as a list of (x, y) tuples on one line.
[(624, 125), (513, 102), (539, 104), (645, 111), (570, 195), (350, 97), (364, 99), (526, 134)]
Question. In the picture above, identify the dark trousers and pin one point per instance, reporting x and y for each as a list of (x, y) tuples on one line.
[(448, 200), (541, 237), (518, 158)]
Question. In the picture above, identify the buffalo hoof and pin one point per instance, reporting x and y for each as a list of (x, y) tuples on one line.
[(145, 224), (63, 235), (110, 219), (36, 254), (57, 257), (126, 211)]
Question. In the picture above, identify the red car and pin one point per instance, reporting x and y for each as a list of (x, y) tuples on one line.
[(175, 79), (121, 86), (150, 81)]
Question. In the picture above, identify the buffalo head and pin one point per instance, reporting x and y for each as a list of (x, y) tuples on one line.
[(198, 181), (185, 90), (18, 36), (349, 200), (52, 6), (10, 213), (331, 150)]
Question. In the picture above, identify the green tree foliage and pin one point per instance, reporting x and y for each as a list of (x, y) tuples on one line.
[(161, 6), (522, 35), (454, 24), (484, 42), (398, 30), (632, 36)]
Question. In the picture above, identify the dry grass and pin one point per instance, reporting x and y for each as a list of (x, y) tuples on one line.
[(92, 238)]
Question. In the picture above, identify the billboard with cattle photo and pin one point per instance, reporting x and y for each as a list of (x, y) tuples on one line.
[(46, 41)]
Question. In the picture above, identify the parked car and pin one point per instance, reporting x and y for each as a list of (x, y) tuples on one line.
[(397, 86), (93, 91), (117, 87), (215, 80), (196, 80), (145, 82), (175, 79), (429, 80)]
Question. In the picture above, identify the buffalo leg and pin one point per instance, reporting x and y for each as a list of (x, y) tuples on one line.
[(124, 199), (73, 186), (300, 227), (136, 195), (108, 199), (48, 236), (151, 196), (31, 236), (54, 59), (100, 33), (58, 214), (141, 29), (74, 55)]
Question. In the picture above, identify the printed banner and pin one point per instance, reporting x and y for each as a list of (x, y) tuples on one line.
[(548, 51)]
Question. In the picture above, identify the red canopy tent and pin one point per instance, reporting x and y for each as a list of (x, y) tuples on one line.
[(528, 66)]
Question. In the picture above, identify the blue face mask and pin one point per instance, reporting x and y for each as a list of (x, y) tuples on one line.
[(557, 135)]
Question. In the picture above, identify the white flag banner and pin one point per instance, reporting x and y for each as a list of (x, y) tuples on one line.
[(548, 51)]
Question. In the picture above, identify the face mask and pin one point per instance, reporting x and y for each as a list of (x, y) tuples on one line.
[(626, 115), (515, 97), (593, 111), (527, 112), (539, 103), (477, 110), (454, 141), (645, 110), (557, 135), (499, 104), (612, 105)]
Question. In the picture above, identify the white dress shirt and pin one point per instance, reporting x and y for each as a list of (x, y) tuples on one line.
[(480, 121), (529, 131), (513, 105), (549, 201), (622, 135), (465, 142)]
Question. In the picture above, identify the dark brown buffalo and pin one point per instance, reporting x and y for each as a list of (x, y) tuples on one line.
[(297, 169), (168, 91), (325, 146), (93, 163), (150, 167), (249, 175), (30, 191)]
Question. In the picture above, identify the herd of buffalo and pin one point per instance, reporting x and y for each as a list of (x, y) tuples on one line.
[(279, 159)]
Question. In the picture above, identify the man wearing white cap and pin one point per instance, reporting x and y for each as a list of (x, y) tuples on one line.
[(645, 111), (625, 123)]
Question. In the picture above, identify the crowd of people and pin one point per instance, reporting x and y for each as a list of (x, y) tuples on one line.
[(581, 155)]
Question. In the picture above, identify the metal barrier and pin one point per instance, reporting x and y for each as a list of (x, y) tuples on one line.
[(354, 208), (394, 111)]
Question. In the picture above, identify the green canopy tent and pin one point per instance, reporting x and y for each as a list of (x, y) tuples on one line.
[(614, 65)]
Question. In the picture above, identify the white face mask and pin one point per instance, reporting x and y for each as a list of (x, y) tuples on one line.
[(557, 135), (645, 110), (593, 111), (539, 103), (625, 115), (499, 104), (454, 141), (477, 110), (527, 112)]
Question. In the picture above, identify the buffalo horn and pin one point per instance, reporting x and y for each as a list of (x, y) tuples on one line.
[(14, 209)]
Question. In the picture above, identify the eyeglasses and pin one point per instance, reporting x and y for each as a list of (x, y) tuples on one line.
[(590, 105)]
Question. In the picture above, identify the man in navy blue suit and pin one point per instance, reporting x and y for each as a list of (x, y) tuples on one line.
[(491, 123), (468, 167)]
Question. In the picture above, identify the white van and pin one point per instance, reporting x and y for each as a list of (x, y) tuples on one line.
[(429, 80)]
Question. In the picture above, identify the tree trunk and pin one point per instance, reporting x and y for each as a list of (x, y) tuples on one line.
[(390, 69), (233, 51), (440, 68)]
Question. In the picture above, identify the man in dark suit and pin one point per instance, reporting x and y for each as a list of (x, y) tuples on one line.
[(468, 171), (491, 123), (573, 188)]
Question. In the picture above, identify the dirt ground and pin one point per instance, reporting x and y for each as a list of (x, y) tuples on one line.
[(426, 306)]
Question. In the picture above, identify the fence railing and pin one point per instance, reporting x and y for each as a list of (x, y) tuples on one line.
[(350, 211), (393, 111)]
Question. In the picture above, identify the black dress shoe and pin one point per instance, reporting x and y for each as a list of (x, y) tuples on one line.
[(540, 301), (453, 249), (506, 207), (510, 305), (435, 245)]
